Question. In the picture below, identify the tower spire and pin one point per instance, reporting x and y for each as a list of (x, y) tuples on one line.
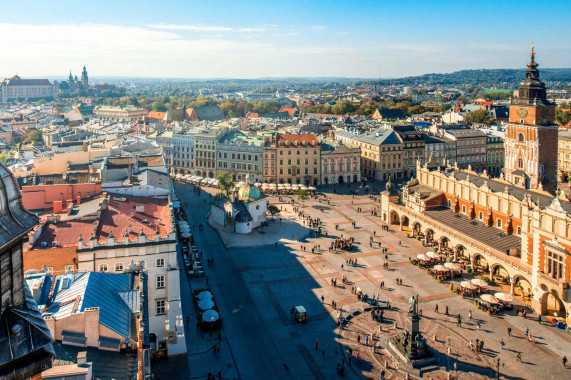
[(532, 54)]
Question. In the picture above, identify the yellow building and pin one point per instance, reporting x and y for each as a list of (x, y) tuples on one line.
[(298, 158)]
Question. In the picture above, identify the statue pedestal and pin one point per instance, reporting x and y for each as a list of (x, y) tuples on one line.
[(410, 347)]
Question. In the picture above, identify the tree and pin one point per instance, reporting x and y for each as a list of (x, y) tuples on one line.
[(34, 137), (302, 195), (3, 156), (226, 183), (479, 116), (272, 210), (445, 107)]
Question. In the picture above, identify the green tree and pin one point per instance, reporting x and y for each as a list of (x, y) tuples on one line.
[(272, 210), (343, 107), (445, 107), (34, 137), (3, 156), (302, 195), (226, 183), (479, 116)]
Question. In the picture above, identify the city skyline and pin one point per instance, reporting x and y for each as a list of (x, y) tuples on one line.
[(177, 39)]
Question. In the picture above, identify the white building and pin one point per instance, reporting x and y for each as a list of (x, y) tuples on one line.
[(18, 88), (246, 212)]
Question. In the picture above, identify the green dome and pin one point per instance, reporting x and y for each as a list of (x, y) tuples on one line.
[(249, 193)]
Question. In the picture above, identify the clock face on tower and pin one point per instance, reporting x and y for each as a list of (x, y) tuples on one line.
[(522, 112)]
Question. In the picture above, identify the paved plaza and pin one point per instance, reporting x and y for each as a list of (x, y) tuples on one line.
[(256, 283)]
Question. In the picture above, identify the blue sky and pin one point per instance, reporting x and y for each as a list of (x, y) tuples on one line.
[(249, 39)]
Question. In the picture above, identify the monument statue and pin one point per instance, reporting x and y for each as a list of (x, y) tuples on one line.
[(413, 305)]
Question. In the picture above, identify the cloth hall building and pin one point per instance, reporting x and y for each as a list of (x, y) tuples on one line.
[(516, 229)]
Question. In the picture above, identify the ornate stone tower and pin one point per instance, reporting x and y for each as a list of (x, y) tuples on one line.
[(531, 135), (84, 78)]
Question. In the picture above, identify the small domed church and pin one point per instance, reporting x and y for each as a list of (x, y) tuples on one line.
[(246, 211)]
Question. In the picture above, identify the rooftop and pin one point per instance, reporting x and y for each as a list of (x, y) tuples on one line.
[(475, 229), (148, 215)]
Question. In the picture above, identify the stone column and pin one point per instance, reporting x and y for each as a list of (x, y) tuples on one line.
[(511, 285)]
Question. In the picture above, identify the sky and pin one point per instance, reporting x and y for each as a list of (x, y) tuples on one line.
[(273, 38)]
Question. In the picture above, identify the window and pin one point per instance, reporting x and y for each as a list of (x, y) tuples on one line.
[(519, 230), (464, 209), (449, 203), (555, 265), (481, 215), (160, 263), (160, 282), (161, 307), (118, 267), (520, 163), (102, 267), (520, 137), (499, 223)]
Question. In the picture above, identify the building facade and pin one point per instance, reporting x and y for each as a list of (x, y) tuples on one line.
[(205, 153), (564, 156), (18, 88), (298, 159), (120, 114), (241, 155), (381, 153), (340, 164)]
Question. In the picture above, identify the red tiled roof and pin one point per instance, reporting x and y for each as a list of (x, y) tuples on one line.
[(253, 115), (157, 115), (116, 218), (293, 138), (289, 110)]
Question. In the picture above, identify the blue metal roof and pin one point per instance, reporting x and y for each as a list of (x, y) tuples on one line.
[(110, 292)]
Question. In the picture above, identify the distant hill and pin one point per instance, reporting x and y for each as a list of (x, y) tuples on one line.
[(483, 77)]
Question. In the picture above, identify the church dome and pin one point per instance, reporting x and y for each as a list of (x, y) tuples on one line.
[(249, 193)]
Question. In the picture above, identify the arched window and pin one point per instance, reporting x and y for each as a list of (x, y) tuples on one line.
[(520, 163), (520, 137)]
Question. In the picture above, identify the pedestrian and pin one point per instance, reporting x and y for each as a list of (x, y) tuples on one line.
[(509, 331), (322, 299), (341, 266), (436, 309), (470, 315), (478, 325), (359, 339), (564, 360), (471, 345), (539, 318), (529, 336), (220, 374), (518, 357), (446, 312), (316, 345), (367, 340), (502, 344), (382, 374)]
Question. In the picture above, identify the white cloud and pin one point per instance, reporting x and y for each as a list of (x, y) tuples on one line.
[(317, 28), (205, 28)]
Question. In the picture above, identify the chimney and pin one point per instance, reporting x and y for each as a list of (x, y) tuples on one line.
[(78, 200), (58, 207), (81, 358)]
